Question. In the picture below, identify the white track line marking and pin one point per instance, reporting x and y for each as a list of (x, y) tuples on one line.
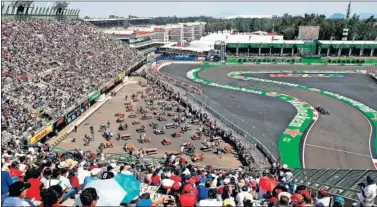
[(370, 140), (307, 134), (328, 148)]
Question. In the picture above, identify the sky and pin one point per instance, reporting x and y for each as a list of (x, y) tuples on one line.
[(153, 8)]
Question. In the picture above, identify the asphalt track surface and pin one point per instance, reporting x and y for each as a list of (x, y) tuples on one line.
[(264, 121), (340, 140)]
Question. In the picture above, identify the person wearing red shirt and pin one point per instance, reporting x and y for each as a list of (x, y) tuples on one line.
[(175, 177), (14, 171), (193, 189), (188, 198), (182, 160), (156, 179), (34, 191)]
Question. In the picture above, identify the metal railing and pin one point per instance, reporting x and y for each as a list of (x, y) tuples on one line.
[(335, 181)]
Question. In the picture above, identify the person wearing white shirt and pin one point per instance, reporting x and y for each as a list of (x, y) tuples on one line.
[(211, 200), (186, 172), (82, 173), (172, 158), (369, 192), (323, 200), (243, 195), (66, 185)]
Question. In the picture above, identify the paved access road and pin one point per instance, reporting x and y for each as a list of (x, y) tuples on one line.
[(340, 140)]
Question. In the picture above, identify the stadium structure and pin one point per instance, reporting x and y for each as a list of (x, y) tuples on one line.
[(269, 117), (190, 39)]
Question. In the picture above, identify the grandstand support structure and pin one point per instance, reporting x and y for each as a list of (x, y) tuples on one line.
[(21, 5), (60, 6), (220, 46)]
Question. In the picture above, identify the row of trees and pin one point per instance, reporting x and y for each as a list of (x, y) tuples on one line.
[(287, 25)]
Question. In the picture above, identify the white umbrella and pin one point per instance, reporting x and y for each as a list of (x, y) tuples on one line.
[(109, 191)]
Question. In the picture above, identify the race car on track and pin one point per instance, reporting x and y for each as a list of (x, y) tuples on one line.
[(322, 110)]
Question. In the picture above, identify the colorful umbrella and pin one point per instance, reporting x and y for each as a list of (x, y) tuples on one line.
[(130, 184), (267, 184), (109, 191)]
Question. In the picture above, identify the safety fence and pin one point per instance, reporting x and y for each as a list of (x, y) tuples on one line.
[(342, 182), (305, 61)]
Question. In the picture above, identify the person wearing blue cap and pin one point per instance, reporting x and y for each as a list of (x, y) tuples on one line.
[(338, 201)]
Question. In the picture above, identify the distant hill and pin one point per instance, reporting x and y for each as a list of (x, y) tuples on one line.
[(337, 16), (367, 15), (362, 15)]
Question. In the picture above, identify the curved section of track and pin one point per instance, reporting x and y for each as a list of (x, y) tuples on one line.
[(266, 120), (340, 140), (290, 141), (367, 111)]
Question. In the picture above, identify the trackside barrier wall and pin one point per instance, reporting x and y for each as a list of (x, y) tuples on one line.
[(176, 58), (335, 181), (218, 113), (84, 104)]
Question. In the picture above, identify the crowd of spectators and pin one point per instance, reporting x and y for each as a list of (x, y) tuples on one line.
[(51, 65), (33, 176)]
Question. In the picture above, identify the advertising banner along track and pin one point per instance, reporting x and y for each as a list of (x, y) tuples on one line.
[(289, 141)]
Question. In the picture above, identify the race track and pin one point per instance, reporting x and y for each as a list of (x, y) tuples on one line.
[(340, 140)]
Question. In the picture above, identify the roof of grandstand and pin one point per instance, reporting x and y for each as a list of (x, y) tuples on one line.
[(340, 42), (115, 19)]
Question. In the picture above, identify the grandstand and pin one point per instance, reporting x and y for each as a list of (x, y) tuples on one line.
[(42, 83), (118, 22)]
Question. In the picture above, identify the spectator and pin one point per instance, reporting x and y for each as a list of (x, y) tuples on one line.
[(145, 200), (17, 194), (66, 185), (156, 179), (284, 201), (52, 196), (188, 198), (243, 195), (369, 192), (15, 172), (323, 200), (34, 193), (338, 201), (108, 174), (89, 197), (203, 190), (297, 200), (211, 200), (6, 181)]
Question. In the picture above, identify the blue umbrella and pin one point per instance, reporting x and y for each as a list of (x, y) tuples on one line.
[(130, 184)]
